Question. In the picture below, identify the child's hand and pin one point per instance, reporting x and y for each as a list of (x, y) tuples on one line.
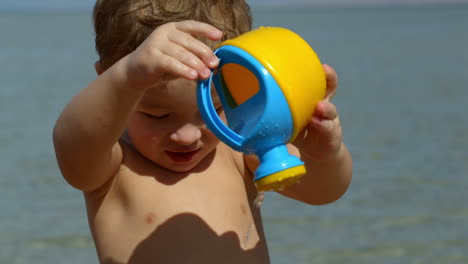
[(321, 139), (172, 50)]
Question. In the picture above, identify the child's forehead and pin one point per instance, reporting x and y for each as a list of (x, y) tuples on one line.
[(168, 88), (173, 92)]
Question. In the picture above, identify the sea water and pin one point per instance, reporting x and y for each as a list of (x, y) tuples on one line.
[(402, 101)]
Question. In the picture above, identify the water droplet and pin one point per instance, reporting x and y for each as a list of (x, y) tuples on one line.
[(259, 199)]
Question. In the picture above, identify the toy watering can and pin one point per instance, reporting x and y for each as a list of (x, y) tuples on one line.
[(269, 81)]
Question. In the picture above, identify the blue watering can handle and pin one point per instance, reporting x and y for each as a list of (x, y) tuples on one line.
[(212, 120)]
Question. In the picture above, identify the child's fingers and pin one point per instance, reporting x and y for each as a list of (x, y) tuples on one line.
[(190, 30), (201, 54), (174, 67), (187, 58), (199, 29), (332, 81), (326, 131), (322, 126), (325, 110)]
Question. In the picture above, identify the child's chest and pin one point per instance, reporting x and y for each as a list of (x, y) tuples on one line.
[(219, 197), (214, 208)]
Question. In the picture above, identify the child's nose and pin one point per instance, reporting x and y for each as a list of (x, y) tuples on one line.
[(186, 134)]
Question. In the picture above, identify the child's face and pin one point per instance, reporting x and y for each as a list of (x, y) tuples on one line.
[(167, 127)]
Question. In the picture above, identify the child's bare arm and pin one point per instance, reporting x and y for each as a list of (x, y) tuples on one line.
[(87, 130), (86, 133), (320, 146)]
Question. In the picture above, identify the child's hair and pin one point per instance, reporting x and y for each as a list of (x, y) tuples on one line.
[(122, 25)]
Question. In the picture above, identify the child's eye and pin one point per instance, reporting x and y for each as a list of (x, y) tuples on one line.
[(155, 116)]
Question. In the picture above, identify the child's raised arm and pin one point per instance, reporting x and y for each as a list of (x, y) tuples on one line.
[(320, 146), (86, 133), (327, 160)]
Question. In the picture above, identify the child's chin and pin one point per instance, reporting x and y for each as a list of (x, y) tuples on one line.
[(185, 168), (181, 167)]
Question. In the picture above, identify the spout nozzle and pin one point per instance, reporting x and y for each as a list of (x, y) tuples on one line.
[(280, 179), (277, 169)]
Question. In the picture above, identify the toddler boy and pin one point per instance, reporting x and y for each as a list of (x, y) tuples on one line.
[(159, 186)]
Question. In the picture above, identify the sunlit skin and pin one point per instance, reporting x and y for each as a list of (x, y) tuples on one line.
[(168, 191), (167, 128)]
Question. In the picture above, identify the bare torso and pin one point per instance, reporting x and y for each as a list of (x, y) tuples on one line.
[(150, 215)]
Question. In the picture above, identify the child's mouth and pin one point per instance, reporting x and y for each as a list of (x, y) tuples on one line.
[(182, 156)]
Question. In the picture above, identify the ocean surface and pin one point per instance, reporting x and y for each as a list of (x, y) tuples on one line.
[(402, 97)]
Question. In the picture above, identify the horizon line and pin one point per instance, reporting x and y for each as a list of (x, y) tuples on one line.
[(260, 6)]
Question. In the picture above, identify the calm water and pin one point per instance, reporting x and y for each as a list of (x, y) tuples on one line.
[(402, 98)]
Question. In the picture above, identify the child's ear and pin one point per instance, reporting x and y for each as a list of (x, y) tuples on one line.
[(98, 68)]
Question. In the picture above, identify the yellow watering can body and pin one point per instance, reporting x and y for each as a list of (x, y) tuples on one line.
[(269, 81)]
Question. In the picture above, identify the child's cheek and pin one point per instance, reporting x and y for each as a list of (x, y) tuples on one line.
[(142, 128)]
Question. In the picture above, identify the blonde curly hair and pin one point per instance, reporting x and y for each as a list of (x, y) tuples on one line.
[(122, 25)]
